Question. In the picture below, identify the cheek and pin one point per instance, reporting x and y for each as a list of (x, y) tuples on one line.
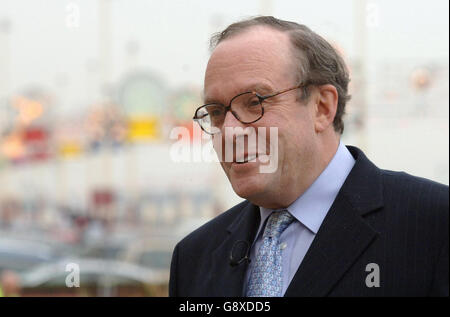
[(294, 140), (299, 125), (218, 146), (226, 168)]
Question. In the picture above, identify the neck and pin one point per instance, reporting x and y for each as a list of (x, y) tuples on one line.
[(284, 197)]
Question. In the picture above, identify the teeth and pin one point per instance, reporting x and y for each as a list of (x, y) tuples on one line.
[(248, 159), (251, 158)]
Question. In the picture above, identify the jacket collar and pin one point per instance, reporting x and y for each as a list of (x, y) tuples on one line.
[(230, 278), (364, 185), (344, 235)]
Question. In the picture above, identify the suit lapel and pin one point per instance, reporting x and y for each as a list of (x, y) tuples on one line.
[(228, 280), (344, 234), (341, 239)]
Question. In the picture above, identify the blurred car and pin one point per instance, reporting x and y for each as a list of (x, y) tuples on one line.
[(96, 278), (155, 250), (20, 254), (104, 250), (152, 251)]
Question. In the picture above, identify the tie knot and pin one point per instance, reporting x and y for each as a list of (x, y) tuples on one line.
[(277, 223)]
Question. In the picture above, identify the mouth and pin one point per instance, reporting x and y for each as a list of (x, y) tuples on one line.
[(246, 159)]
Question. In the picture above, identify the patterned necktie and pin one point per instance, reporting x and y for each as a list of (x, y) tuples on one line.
[(266, 276)]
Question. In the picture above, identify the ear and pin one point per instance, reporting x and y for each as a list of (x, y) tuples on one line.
[(326, 107)]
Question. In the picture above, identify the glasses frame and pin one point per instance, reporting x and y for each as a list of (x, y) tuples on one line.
[(228, 108)]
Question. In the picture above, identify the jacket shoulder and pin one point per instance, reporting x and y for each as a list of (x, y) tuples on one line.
[(402, 181), (417, 193)]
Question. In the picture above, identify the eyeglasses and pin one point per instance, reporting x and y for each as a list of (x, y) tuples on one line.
[(246, 107)]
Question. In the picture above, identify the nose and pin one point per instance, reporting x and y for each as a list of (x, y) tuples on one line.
[(231, 120), (235, 127), (235, 137), (229, 124)]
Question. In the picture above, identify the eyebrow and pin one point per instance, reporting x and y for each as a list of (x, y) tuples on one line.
[(260, 88)]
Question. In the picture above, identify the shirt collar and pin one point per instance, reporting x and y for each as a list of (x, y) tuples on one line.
[(313, 205)]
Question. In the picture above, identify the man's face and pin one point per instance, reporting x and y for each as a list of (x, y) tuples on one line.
[(261, 60)]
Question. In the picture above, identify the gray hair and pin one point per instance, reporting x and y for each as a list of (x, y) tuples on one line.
[(319, 62)]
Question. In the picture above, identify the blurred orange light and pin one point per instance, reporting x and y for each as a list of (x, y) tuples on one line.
[(13, 147), (420, 78), (29, 110)]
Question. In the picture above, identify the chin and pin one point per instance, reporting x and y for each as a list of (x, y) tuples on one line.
[(248, 188)]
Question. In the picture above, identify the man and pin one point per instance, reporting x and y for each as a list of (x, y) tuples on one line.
[(326, 221)]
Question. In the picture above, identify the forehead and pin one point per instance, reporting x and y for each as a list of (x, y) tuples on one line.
[(259, 57)]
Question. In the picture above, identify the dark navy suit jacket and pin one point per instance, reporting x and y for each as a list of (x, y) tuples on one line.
[(392, 219)]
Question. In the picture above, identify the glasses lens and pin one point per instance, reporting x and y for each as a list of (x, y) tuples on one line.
[(211, 117), (247, 107)]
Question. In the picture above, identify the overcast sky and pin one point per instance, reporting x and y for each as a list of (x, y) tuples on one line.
[(172, 36)]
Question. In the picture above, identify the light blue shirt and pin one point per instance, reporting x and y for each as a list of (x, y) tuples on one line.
[(309, 211)]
